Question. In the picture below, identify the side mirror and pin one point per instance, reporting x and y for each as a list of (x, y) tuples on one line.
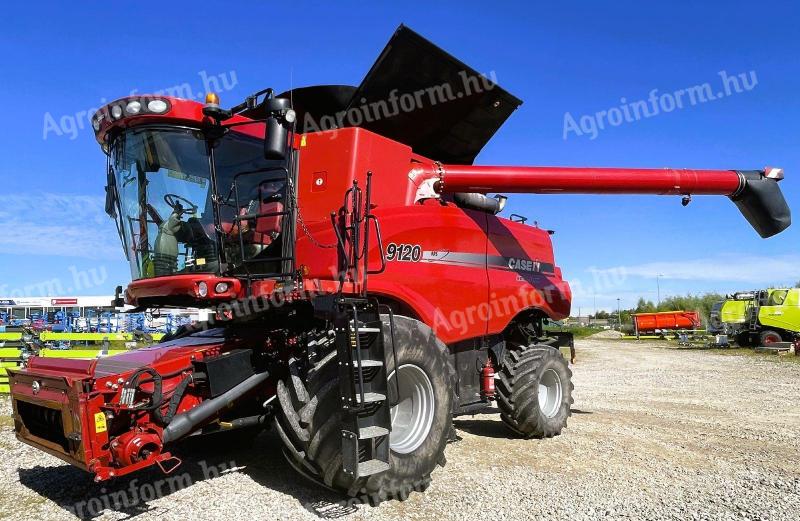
[(119, 300), (276, 136)]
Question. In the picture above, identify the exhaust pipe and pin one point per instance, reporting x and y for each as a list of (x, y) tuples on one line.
[(183, 424)]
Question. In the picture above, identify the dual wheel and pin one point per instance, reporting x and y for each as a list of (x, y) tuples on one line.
[(534, 393)]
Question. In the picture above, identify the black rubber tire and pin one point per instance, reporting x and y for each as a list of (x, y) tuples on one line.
[(743, 339), (308, 419), (769, 336), (517, 391)]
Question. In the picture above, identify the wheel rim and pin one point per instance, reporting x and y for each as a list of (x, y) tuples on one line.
[(549, 393), (412, 417), (771, 339)]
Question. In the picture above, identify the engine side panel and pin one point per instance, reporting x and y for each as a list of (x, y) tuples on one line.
[(522, 273), (437, 254)]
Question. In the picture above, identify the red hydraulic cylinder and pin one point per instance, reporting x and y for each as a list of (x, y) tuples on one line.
[(569, 180)]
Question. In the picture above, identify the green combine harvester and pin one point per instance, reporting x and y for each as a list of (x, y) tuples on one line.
[(759, 318)]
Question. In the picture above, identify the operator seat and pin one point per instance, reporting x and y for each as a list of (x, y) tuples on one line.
[(268, 226)]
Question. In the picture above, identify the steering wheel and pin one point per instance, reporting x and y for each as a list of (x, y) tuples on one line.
[(174, 202)]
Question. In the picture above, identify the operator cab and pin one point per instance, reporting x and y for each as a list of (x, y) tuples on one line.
[(168, 206), (193, 196)]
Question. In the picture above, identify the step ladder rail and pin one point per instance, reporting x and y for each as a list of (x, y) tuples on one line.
[(389, 312), (366, 419), (752, 315), (360, 365)]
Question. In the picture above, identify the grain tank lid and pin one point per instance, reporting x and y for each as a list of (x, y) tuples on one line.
[(452, 129), (448, 128)]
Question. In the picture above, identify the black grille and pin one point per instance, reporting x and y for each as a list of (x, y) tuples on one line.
[(43, 422)]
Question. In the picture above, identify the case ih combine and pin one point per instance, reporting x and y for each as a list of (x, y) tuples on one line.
[(365, 289)]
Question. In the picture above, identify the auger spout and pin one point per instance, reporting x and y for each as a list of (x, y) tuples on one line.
[(756, 193)]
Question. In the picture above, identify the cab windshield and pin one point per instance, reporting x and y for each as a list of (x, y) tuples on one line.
[(172, 218)]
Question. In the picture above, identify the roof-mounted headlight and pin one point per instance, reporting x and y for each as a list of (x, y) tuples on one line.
[(128, 108), (157, 106), (133, 107)]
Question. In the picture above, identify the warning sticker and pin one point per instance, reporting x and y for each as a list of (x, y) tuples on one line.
[(99, 422)]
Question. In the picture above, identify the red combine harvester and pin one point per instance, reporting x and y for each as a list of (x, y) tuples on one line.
[(364, 289), (645, 323)]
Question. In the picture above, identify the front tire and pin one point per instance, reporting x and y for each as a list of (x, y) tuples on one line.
[(534, 392), (743, 339), (309, 417)]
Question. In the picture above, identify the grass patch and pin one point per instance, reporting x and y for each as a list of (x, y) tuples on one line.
[(6, 421)]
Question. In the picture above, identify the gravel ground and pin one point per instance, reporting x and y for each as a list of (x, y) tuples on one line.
[(655, 434)]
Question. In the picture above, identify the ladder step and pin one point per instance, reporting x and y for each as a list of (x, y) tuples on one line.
[(373, 466), (368, 330), (368, 363), (371, 397), (372, 432)]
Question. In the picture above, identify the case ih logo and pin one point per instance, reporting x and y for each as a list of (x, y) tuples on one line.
[(64, 302), (524, 265)]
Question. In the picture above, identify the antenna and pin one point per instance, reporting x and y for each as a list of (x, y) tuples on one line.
[(291, 87)]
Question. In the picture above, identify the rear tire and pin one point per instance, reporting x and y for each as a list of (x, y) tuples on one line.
[(534, 392), (769, 337), (309, 418)]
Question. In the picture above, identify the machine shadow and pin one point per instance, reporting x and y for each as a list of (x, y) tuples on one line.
[(489, 428), (203, 459), (493, 427)]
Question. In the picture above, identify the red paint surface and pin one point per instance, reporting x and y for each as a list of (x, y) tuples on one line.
[(667, 320), (541, 180)]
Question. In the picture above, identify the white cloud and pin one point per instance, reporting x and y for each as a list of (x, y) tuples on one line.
[(751, 269), (57, 225)]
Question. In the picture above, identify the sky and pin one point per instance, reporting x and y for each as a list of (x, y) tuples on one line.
[(571, 64)]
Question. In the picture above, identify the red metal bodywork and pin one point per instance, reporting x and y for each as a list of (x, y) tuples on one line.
[(666, 321)]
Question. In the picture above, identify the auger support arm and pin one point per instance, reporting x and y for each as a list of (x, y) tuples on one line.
[(756, 193)]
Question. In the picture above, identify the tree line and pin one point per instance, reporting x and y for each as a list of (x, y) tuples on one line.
[(701, 303)]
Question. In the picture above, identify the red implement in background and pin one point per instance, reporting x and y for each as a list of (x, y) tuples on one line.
[(666, 321)]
